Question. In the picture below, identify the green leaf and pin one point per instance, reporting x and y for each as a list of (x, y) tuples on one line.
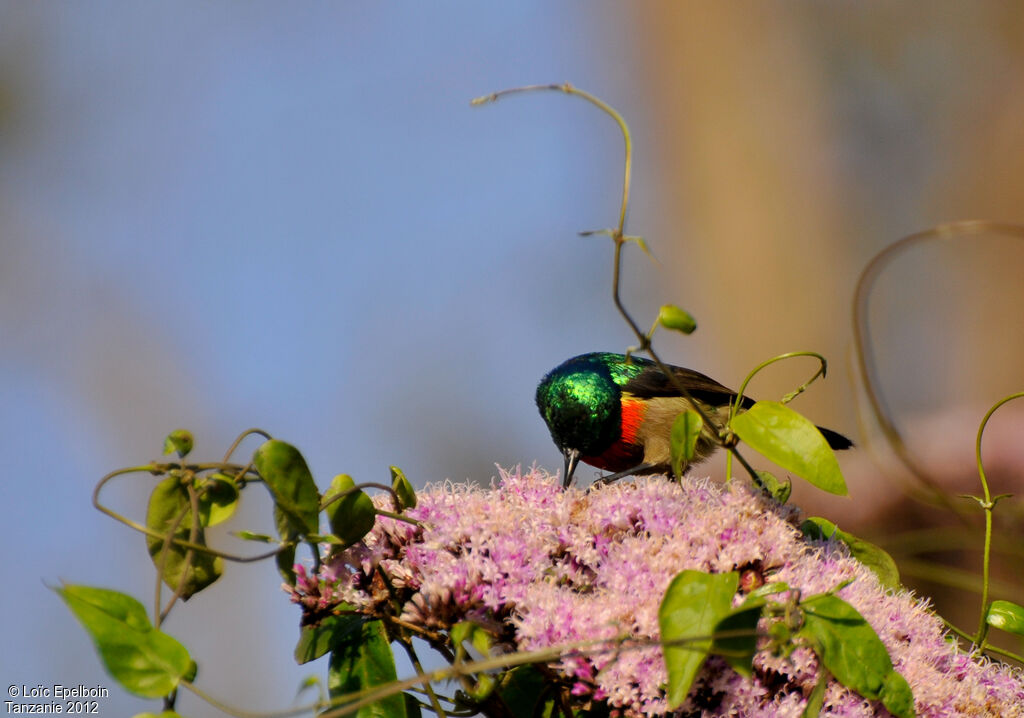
[(363, 660), (776, 489), (692, 606), (145, 661), (179, 441), (685, 432), (250, 536), (852, 652), (526, 692), (738, 650), (218, 499), (168, 501), (872, 556), (406, 493), (477, 636), (286, 475), (1006, 616), (316, 641), (481, 640), (676, 319), (352, 516), (165, 714), (769, 589), (484, 687), (641, 243), (792, 441), (325, 538)]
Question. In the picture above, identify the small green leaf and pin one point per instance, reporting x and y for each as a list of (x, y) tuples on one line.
[(325, 538), (692, 606), (287, 477), (316, 641), (147, 662), (352, 516), (485, 685), (676, 319), (406, 493), (642, 244), (852, 652), (218, 499), (179, 441), (685, 431), (1006, 616), (739, 648), (168, 501), (477, 636), (251, 536), (872, 556), (769, 589), (362, 660), (778, 490), (792, 441), (481, 640)]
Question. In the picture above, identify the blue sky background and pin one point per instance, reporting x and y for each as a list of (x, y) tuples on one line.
[(222, 215)]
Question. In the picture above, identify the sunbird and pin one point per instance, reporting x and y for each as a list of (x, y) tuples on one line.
[(617, 413)]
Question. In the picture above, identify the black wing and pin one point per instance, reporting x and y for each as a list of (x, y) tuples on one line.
[(651, 383)]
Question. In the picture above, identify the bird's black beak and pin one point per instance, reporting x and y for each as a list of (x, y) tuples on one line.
[(572, 458)]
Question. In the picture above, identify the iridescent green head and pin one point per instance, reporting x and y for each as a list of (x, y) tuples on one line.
[(582, 406)]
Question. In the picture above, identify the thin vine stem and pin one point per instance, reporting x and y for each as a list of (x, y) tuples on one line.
[(822, 369), (241, 437), (435, 704), (864, 346), (989, 648), (608, 109), (619, 238), (988, 504), (349, 703), (157, 469), (359, 487)]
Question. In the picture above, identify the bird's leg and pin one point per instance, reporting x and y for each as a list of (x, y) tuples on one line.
[(623, 474)]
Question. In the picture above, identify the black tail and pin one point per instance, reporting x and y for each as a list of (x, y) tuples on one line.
[(836, 440)]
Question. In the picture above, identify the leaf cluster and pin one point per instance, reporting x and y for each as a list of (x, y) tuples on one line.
[(697, 620), (187, 499)]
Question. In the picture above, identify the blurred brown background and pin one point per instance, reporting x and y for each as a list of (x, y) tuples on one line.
[(796, 145)]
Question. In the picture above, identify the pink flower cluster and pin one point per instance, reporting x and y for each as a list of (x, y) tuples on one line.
[(548, 567)]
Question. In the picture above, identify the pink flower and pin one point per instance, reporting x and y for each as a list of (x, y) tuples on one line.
[(551, 567)]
